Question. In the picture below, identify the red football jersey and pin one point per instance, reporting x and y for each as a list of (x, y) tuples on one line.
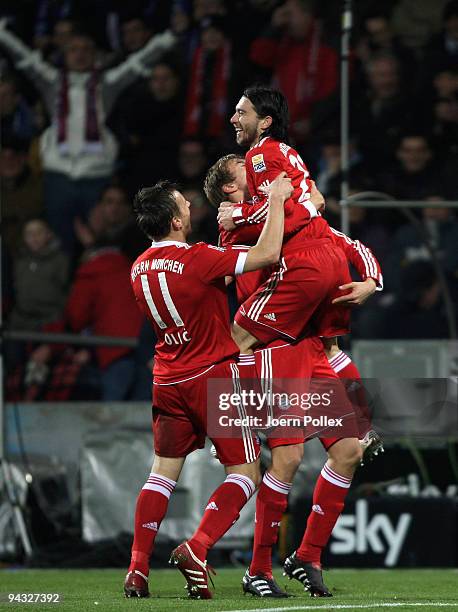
[(263, 163), (358, 254), (181, 290)]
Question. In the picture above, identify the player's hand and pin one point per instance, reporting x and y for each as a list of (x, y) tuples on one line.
[(281, 187), (360, 292), (225, 211), (317, 198)]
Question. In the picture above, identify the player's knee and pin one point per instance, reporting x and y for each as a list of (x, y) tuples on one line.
[(285, 461), (249, 470), (331, 347), (244, 340), (347, 454)]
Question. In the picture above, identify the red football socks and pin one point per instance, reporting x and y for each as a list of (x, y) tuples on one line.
[(328, 501), (271, 504), (221, 513), (150, 510)]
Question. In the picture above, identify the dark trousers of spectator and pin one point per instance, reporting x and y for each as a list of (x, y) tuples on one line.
[(66, 199)]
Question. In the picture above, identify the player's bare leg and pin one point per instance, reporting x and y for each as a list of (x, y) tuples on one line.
[(150, 510), (221, 512), (370, 441), (243, 339)]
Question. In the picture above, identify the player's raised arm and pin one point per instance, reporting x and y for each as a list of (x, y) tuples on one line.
[(268, 247)]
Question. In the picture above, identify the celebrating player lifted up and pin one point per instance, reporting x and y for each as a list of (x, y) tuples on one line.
[(181, 289), (312, 267)]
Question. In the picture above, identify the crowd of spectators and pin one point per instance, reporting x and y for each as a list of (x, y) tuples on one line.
[(100, 98)]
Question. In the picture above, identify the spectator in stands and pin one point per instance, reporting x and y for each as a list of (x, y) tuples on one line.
[(78, 151), (416, 174), (17, 118), (148, 124), (99, 299), (204, 228), (381, 113), (41, 276), (192, 164), (444, 127), (111, 223), (302, 65), (378, 37), (48, 15), (437, 109), (135, 33), (418, 311), (439, 231), (208, 94), (442, 51), (21, 192), (62, 32), (415, 21)]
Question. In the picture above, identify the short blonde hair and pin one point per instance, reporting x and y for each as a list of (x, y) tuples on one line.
[(217, 177)]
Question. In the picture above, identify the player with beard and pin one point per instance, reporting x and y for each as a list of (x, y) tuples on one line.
[(227, 180)]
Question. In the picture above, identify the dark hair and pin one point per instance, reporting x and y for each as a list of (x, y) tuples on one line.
[(270, 102), (155, 208), (217, 176)]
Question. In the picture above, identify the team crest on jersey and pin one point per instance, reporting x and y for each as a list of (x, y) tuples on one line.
[(258, 163)]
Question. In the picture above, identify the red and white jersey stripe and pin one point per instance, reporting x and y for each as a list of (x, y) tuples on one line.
[(360, 256)]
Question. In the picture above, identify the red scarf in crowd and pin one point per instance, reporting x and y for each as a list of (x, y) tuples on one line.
[(93, 142), (221, 69)]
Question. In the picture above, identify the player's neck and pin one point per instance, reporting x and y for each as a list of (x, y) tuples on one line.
[(178, 236), (257, 140), (236, 196)]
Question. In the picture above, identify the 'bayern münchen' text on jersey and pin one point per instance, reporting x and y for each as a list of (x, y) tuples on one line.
[(181, 290)]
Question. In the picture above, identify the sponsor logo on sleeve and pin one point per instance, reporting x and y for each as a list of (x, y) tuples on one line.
[(258, 163)]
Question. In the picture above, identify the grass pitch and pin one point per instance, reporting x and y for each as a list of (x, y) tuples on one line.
[(83, 590)]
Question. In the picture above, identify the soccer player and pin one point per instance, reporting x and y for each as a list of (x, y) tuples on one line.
[(227, 179), (312, 268), (181, 289)]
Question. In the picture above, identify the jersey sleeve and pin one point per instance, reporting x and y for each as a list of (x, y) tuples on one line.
[(360, 257), (243, 234), (213, 262)]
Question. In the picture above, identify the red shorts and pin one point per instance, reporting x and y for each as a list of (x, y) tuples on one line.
[(284, 366), (180, 419), (296, 298)]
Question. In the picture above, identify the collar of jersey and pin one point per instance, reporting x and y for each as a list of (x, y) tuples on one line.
[(164, 243), (261, 142)]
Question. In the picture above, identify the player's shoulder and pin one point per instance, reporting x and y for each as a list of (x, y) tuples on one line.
[(269, 147), (203, 247), (141, 258)]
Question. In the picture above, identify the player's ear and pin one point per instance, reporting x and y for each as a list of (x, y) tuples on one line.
[(229, 187), (266, 122), (177, 224)]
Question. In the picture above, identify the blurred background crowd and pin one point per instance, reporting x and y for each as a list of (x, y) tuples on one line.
[(101, 97)]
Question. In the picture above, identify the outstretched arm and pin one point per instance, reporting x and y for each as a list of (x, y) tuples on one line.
[(136, 65), (27, 59)]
